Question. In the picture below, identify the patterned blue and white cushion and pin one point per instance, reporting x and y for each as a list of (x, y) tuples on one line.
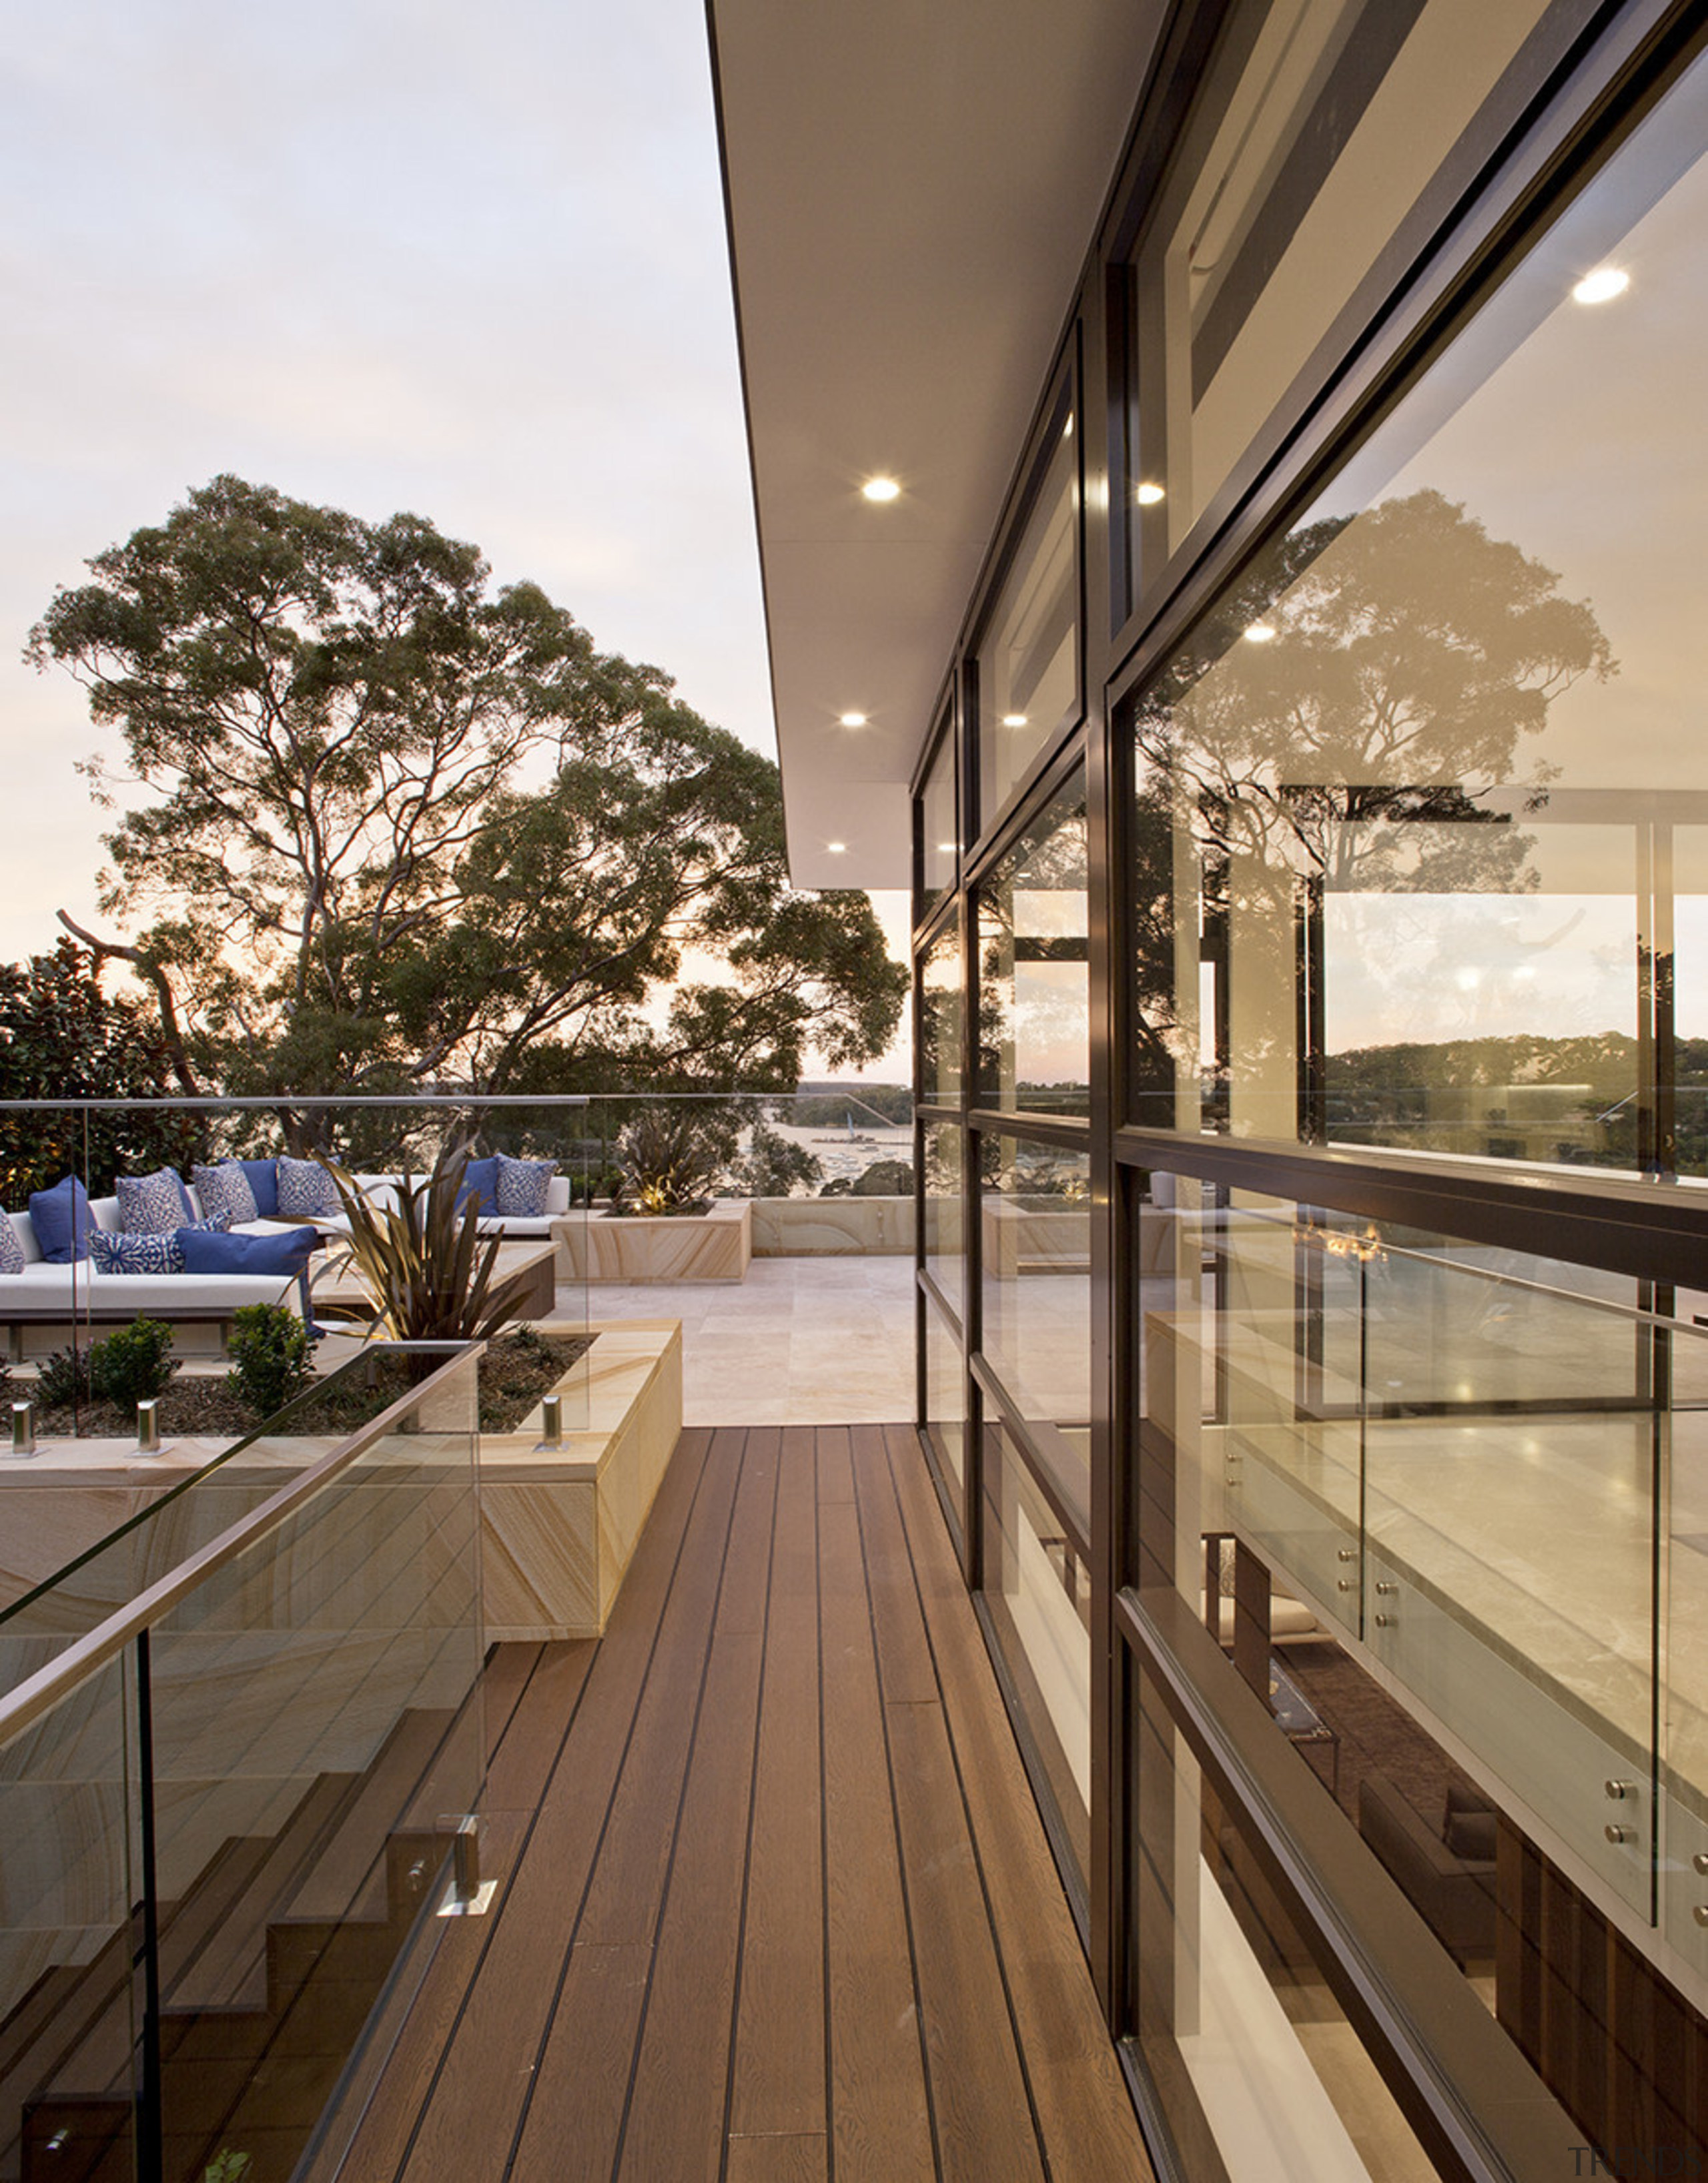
[(11, 1250), (152, 1204), (305, 1189), (225, 1189), (523, 1186), (114, 1252), (215, 1223)]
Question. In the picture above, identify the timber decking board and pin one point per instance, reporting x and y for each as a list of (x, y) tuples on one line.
[(1066, 2051), (778, 2084), (773, 1904), (482, 2078)]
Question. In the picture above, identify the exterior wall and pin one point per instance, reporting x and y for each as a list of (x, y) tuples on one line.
[(1233, 1284)]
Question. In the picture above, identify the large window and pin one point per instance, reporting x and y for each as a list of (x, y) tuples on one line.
[(939, 826), (1320, 126), (1028, 647), (1034, 994), (940, 1027), (1418, 818), (1417, 1488)]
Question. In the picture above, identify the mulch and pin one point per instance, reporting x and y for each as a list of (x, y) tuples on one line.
[(519, 1367)]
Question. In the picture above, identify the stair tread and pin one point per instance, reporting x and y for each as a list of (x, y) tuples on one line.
[(229, 1971), (349, 1879)]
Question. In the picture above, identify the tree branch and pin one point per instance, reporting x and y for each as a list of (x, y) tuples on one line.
[(102, 950)]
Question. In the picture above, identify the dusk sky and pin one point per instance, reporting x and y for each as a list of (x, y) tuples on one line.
[(382, 254)]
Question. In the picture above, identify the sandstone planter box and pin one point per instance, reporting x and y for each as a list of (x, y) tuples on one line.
[(559, 1528), (717, 1245), (833, 1227)]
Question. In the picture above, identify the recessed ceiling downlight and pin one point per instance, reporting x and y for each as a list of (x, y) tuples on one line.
[(1149, 493), (1260, 632), (881, 488), (1601, 285), (836, 849), (853, 719), (1014, 720)]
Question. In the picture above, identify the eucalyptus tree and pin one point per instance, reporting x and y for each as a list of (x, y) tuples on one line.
[(384, 824)]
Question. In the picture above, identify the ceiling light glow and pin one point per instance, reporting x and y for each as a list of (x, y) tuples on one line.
[(1014, 720), (881, 488), (1149, 493), (836, 849), (1260, 632), (853, 720), (1601, 285)]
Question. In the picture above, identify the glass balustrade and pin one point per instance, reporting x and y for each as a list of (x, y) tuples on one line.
[(238, 1810), (1446, 1506)]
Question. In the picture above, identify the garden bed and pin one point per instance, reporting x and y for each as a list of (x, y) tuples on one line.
[(519, 1367)]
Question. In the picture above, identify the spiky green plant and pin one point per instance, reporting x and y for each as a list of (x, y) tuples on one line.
[(669, 1163), (423, 1256)]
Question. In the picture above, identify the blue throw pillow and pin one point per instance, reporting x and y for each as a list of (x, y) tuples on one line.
[(522, 1186), (305, 1190), (263, 1185), (11, 1249), (152, 1204), (216, 1252), (226, 1190), (480, 1181), (111, 1251), (63, 1221)]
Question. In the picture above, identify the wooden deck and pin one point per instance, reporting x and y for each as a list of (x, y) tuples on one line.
[(774, 1904)]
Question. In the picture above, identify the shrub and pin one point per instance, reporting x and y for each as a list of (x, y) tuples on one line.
[(596, 1182), (134, 1365), (63, 1378), (272, 1356)]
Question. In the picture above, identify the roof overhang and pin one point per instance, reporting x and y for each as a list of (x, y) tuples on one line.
[(912, 187)]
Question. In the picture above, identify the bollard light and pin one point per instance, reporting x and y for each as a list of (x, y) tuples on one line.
[(551, 1422), (23, 1430), (148, 1427)]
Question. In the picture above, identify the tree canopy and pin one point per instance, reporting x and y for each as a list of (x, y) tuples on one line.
[(402, 828), (1404, 657), (62, 1037)]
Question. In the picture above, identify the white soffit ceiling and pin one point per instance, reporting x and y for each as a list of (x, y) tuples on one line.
[(912, 186)]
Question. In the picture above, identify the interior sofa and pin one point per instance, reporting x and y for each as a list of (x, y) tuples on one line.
[(1447, 1873)]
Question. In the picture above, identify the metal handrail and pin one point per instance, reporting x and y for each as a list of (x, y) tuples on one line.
[(270, 1102), (38, 1694)]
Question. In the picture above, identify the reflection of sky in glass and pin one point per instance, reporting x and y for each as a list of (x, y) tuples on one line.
[(1584, 447), (1051, 1001), (1417, 967)]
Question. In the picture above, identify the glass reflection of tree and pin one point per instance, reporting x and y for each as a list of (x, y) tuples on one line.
[(1372, 673), (1049, 864)]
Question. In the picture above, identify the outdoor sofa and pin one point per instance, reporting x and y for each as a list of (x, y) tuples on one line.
[(41, 1292)]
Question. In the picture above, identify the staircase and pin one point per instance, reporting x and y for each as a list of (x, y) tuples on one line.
[(271, 1964)]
